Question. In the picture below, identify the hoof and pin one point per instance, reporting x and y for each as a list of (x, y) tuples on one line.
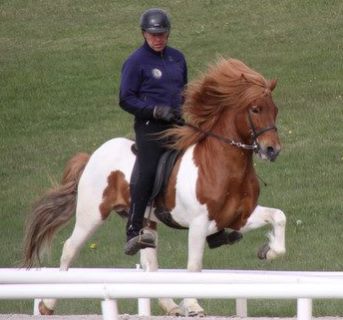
[(170, 308), (199, 314), (192, 310), (44, 310), (262, 253), (176, 312)]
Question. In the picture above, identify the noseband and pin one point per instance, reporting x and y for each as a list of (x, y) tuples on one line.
[(254, 134)]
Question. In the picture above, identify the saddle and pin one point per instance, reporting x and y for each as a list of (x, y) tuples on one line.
[(163, 172)]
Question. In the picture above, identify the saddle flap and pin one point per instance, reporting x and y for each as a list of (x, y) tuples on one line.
[(163, 172)]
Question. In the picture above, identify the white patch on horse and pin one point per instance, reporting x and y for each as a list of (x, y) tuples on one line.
[(186, 198)]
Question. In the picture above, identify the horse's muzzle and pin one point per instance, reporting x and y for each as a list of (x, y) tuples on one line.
[(269, 152)]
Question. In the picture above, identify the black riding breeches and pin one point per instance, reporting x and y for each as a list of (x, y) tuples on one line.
[(150, 149)]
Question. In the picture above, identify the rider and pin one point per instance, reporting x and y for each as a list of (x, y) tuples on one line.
[(152, 80)]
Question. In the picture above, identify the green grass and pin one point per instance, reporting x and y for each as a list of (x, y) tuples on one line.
[(60, 65)]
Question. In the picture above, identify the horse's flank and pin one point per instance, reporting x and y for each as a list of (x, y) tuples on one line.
[(116, 195)]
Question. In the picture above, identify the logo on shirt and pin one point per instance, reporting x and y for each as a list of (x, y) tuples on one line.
[(156, 73)]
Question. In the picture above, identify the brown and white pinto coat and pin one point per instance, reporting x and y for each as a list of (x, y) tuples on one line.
[(213, 185)]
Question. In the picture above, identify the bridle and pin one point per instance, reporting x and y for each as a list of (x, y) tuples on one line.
[(254, 134)]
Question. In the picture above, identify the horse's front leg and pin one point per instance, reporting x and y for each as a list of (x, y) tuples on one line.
[(259, 218), (196, 243), (149, 263)]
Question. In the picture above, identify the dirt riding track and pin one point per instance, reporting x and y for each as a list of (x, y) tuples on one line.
[(135, 317)]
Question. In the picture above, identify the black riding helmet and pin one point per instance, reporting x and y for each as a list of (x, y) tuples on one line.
[(155, 21)]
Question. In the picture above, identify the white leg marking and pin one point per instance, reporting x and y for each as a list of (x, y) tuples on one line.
[(81, 233), (148, 256), (263, 216), (149, 263)]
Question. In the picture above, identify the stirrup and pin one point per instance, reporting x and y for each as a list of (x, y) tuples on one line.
[(141, 241), (146, 239)]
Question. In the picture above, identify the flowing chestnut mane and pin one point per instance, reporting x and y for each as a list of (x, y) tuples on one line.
[(229, 84)]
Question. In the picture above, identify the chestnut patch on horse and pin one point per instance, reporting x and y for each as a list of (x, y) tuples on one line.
[(233, 190), (116, 195)]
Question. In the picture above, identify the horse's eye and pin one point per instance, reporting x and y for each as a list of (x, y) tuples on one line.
[(255, 109)]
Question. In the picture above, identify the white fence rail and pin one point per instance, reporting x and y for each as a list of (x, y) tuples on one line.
[(112, 284)]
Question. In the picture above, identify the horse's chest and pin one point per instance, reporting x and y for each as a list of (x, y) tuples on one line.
[(193, 192), (233, 211), (234, 202)]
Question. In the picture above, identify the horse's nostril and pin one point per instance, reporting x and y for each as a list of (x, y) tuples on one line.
[(272, 153), (270, 150)]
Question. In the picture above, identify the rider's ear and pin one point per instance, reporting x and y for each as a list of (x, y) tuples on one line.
[(272, 84)]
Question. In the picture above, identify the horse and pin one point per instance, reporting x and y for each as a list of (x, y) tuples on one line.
[(230, 116)]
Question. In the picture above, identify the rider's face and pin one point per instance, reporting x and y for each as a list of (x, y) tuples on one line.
[(156, 41)]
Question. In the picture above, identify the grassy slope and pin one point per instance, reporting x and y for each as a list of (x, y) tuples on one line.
[(60, 64)]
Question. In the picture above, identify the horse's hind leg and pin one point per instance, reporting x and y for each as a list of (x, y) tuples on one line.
[(85, 227), (261, 217), (74, 244), (149, 263)]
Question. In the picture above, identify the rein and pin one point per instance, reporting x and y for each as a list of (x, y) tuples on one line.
[(253, 147), (254, 134)]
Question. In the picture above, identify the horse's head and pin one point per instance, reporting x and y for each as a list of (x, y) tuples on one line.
[(233, 104), (257, 124)]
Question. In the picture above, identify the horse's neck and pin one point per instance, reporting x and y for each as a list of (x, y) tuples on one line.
[(226, 176), (222, 159)]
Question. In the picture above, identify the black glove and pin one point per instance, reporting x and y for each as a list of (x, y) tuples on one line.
[(165, 113), (180, 121)]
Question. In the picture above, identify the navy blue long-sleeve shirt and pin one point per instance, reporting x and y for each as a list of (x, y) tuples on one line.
[(150, 79)]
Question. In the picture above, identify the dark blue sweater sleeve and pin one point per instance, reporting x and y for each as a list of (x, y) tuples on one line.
[(131, 79)]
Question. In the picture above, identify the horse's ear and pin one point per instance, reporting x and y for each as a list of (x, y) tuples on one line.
[(272, 84)]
